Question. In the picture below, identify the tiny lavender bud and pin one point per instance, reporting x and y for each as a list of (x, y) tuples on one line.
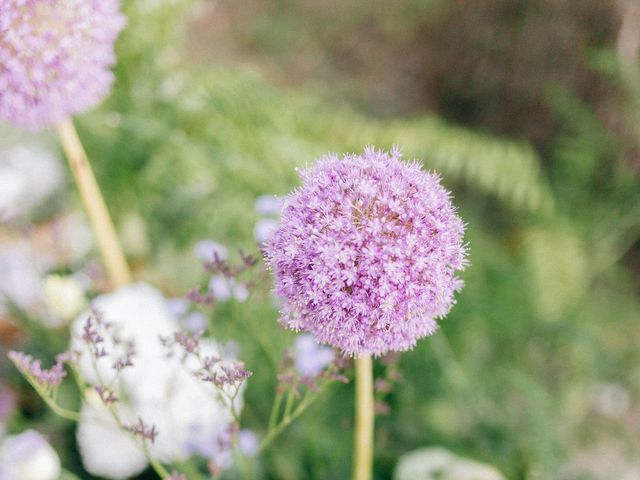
[(366, 253), (142, 430), (55, 57)]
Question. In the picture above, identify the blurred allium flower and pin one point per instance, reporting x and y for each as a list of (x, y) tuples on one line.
[(152, 385), (28, 456), (28, 175), (311, 359), (366, 253), (55, 57)]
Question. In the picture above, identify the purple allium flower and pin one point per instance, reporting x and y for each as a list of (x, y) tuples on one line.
[(366, 253), (55, 57), (310, 358)]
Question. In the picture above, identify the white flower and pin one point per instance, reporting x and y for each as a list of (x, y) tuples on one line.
[(160, 390), (28, 175), (28, 456), (64, 296), (138, 313), (20, 281), (436, 463), (106, 450)]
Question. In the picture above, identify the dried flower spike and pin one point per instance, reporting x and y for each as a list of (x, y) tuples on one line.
[(55, 57), (47, 378), (366, 253)]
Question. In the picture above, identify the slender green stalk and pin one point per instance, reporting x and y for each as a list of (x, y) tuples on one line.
[(275, 410), (363, 446), (291, 396), (287, 420)]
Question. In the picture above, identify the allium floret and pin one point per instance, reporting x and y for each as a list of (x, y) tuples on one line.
[(366, 253), (55, 57)]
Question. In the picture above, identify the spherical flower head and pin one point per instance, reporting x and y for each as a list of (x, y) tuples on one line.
[(55, 57), (366, 253)]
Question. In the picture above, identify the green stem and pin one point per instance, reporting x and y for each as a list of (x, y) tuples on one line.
[(57, 409), (275, 410), (364, 425), (289, 405), (287, 420)]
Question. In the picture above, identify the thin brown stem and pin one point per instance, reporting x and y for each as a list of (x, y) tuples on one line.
[(95, 205)]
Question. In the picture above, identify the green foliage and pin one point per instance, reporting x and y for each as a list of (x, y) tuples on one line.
[(547, 311)]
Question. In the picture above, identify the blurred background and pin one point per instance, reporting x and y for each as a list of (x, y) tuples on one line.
[(530, 109)]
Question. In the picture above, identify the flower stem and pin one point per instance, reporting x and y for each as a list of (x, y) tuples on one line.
[(287, 420), (275, 411), (363, 456), (95, 206)]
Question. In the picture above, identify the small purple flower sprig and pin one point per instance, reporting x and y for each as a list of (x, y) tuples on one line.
[(385, 383), (226, 376), (46, 382), (97, 333), (302, 379), (225, 280)]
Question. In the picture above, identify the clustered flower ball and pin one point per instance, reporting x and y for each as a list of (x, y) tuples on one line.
[(55, 57), (366, 253)]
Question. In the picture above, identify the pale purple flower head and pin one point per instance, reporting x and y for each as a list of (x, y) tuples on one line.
[(55, 57), (311, 359), (366, 253)]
